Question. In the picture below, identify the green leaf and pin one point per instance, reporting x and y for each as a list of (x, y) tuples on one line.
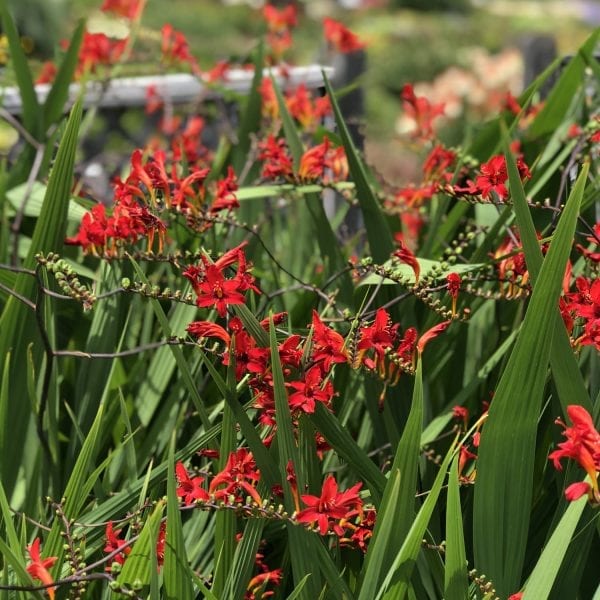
[(59, 92), (397, 580), (251, 117), (507, 448), (289, 127), (78, 486), (17, 323), (378, 231), (182, 363), (396, 513), (29, 101), (137, 569), (544, 573), (565, 370), (456, 581), (177, 572)]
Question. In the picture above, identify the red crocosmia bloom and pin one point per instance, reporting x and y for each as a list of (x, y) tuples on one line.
[(421, 111), (277, 162), (97, 49), (280, 19), (47, 73), (461, 413), (407, 257), (113, 542), (160, 544), (225, 198), (218, 72), (437, 163), (576, 490), (340, 37), (585, 304), (92, 235), (269, 106), (493, 178), (38, 566), (430, 334), (511, 104), (290, 353), (328, 345), (582, 445), (175, 48), (208, 329), (189, 488), (464, 456), (217, 291), (380, 337), (130, 9), (313, 162), (239, 475), (453, 281), (516, 596), (332, 504), (309, 391)]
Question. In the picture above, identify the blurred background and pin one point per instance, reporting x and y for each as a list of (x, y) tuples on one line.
[(466, 53)]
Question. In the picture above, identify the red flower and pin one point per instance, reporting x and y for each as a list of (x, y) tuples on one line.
[(330, 505), (280, 19), (406, 256), (340, 37), (175, 48), (309, 390), (225, 198), (189, 488), (328, 345), (47, 73), (113, 541), (130, 9), (583, 446), (277, 161), (208, 329), (453, 282), (379, 336), (240, 474), (38, 567), (430, 334), (421, 111)]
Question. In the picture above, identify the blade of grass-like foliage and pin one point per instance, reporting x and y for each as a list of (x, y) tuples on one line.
[(539, 583), (437, 425), (17, 324), (8, 525), (344, 444), (244, 559), (289, 128), (29, 101), (277, 190), (339, 588), (177, 572), (182, 364), (303, 560), (162, 366), (76, 491), (559, 100), (396, 583), (456, 581), (396, 513), (59, 92), (225, 529), (378, 231), (252, 324), (565, 370), (140, 562), (296, 593), (503, 488), (251, 117)]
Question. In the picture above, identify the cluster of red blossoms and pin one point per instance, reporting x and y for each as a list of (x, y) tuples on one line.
[(281, 21), (332, 512), (583, 446), (150, 189), (322, 162)]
